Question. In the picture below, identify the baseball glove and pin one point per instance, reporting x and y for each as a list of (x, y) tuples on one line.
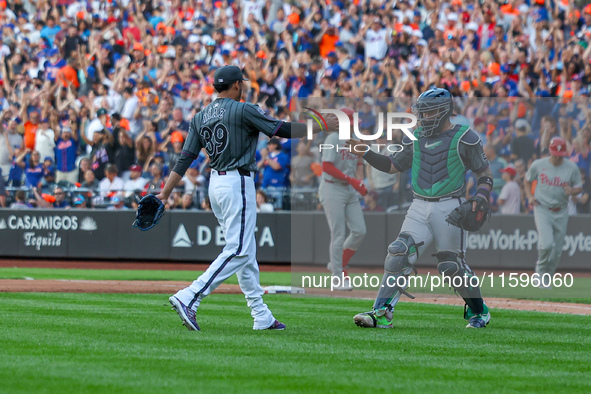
[(466, 219), (149, 211)]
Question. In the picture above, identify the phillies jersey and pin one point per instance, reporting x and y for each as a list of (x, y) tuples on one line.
[(552, 179), (342, 159)]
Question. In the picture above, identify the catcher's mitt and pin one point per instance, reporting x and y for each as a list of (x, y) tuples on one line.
[(466, 219), (149, 211)]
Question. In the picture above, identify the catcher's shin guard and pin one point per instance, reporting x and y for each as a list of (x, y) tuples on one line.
[(452, 266), (402, 255)]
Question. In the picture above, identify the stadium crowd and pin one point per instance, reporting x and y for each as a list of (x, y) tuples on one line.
[(96, 96)]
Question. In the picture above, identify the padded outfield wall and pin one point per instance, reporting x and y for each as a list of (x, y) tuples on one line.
[(505, 242)]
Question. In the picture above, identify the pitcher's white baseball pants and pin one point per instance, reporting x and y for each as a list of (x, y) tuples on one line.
[(233, 201)]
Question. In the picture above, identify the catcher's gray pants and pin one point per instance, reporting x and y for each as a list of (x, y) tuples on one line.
[(425, 222), (551, 228), (342, 209), (233, 201)]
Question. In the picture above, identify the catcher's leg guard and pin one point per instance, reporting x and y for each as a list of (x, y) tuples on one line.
[(402, 255), (453, 266)]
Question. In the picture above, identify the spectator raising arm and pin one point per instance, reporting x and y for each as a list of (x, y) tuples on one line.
[(41, 203)]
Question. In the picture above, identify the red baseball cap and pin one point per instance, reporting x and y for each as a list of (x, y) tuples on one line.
[(135, 167), (558, 147), (510, 170), (349, 112)]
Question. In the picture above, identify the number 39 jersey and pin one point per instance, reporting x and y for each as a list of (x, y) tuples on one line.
[(229, 132)]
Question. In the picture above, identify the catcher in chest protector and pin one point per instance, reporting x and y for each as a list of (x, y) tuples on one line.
[(438, 158)]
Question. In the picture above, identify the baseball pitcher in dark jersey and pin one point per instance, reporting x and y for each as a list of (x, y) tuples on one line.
[(229, 130), (438, 159)]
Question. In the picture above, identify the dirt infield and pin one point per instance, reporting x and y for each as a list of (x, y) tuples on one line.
[(170, 287)]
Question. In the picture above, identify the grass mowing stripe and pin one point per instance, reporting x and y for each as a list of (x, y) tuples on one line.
[(267, 278), (125, 343)]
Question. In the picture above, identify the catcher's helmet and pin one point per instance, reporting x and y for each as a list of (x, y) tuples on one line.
[(432, 108), (558, 147)]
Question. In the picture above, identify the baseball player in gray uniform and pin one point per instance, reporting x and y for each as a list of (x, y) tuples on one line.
[(557, 179), (228, 130), (439, 159), (338, 191)]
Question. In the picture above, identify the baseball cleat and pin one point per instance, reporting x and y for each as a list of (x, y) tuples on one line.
[(478, 321), (186, 314), (468, 312), (345, 286), (277, 325), (329, 267), (381, 318)]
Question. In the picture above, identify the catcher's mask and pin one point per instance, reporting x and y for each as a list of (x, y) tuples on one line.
[(432, 108)]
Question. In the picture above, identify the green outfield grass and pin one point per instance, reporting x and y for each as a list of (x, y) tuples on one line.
[(134, 343), (267, 278)]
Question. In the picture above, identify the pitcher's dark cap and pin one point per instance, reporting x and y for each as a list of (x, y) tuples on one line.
[(228, 74)]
